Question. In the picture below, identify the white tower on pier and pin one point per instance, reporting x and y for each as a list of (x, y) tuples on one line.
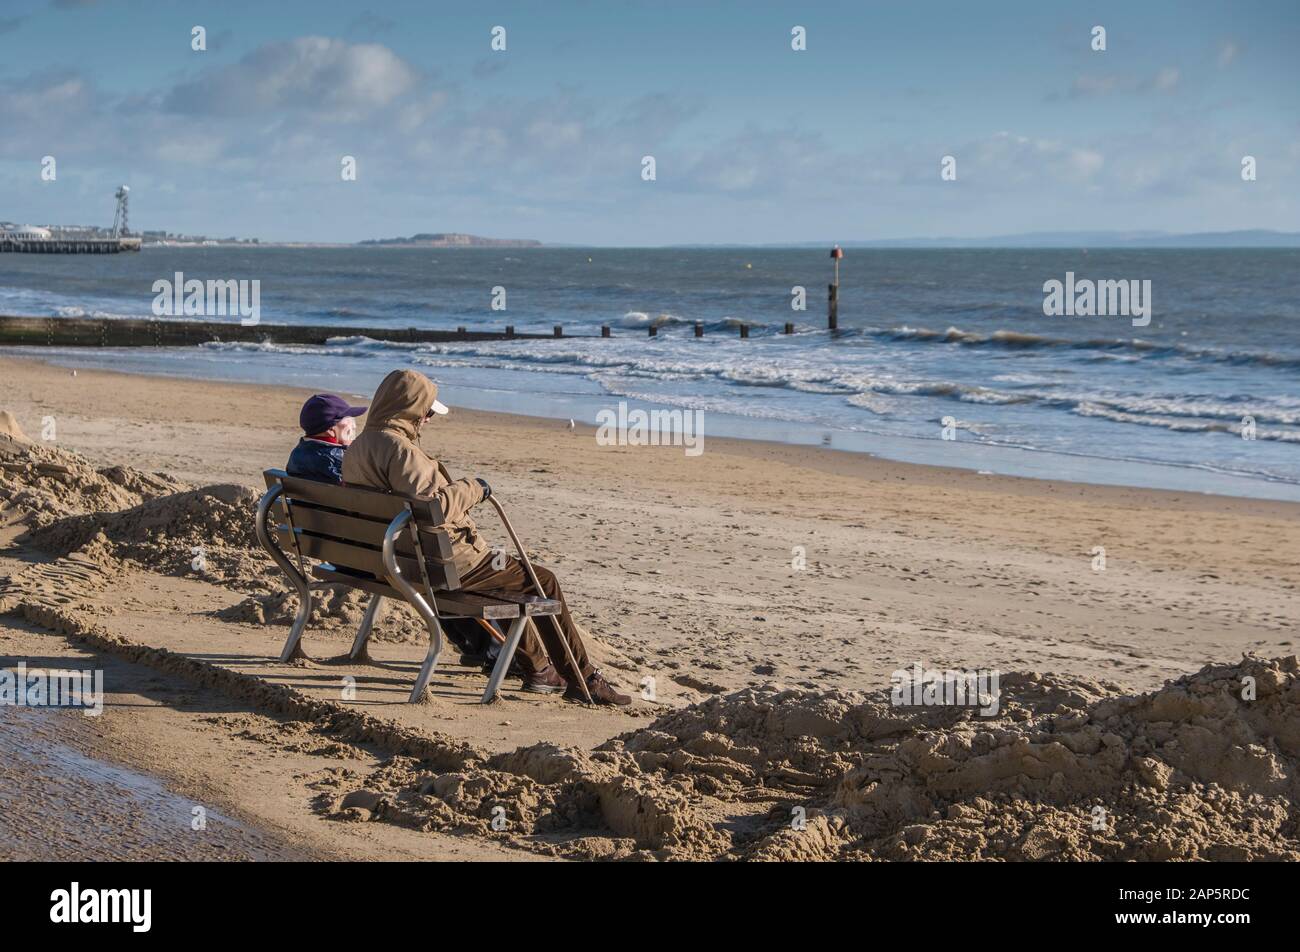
[(120, 228)]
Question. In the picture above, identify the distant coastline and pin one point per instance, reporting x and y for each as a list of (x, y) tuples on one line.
[(452, 240), (423, 240), (1095, 240)]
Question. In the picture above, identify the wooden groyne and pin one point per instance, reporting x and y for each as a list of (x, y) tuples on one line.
[(124, 332), (69, 246)]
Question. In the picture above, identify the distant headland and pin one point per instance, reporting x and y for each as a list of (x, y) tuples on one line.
[(453, 240)]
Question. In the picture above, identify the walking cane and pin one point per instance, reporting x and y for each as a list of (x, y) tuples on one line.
[(523, 557)]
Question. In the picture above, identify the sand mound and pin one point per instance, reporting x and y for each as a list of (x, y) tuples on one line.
[(206, 532), (40, 484), (10, 429), (1068, 769)]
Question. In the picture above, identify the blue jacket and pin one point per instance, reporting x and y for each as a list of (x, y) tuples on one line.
[(314, 459)]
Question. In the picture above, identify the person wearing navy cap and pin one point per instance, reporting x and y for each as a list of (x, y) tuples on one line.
[(329, 424)]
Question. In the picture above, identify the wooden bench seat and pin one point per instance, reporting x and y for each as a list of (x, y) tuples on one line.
[(454, 605), (400, 545)]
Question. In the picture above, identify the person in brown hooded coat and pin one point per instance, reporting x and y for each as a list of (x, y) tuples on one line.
[(387, 456)]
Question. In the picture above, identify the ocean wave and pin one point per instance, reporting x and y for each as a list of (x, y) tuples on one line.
[(73, 310), (1182, 424), (642, 320), (873, 403), (1133, 347)]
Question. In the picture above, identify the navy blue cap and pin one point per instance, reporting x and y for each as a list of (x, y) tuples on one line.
[(322, 411)]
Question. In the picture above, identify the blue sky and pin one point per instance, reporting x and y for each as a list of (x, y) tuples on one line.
[(753, 141)]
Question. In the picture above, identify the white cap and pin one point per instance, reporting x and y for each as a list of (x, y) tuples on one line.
[(439, 408)]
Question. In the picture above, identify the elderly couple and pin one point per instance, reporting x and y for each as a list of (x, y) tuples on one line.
[(387, 456)]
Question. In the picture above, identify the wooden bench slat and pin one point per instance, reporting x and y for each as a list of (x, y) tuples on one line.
[(458, 605), (364, 559), (370, 531), (371, 502), (473, 605), (337, 553), (532, 604), (374, 586)]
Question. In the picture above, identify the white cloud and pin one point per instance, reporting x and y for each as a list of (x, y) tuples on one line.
[(329, 77), (1011, 160)]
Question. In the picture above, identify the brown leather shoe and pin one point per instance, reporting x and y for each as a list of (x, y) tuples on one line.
[(546, 681), (601, 692)]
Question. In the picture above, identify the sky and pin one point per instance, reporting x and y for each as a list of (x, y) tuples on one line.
[(753, 141)]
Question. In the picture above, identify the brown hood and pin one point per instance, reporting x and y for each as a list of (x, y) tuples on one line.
[(401, 402), (387, 456)]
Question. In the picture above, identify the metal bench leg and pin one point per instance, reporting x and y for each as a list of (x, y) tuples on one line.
[(430, 659), (503, 659), (292, 646), (368, 620)]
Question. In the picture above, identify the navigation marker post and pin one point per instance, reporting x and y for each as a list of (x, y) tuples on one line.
[(833, 296)]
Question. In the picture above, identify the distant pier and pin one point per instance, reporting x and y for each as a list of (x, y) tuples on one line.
[(68, 246), (131, 332)]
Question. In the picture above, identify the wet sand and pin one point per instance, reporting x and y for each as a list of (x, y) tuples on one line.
[(57, 803)]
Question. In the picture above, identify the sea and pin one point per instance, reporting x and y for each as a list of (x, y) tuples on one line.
[(942, 356)]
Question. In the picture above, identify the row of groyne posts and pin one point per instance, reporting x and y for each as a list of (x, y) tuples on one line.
[(832, 311)]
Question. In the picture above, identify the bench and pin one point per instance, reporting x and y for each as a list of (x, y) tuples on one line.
[(399, 542)]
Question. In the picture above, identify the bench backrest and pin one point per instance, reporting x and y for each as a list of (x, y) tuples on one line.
[(345, 525)]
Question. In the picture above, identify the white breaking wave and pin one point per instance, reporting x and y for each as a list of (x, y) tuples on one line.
[(1184, 425)]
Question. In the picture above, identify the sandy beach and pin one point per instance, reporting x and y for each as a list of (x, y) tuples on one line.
[(766, 591)]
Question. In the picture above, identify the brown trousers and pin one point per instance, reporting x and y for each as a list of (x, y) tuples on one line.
[(533, 652)]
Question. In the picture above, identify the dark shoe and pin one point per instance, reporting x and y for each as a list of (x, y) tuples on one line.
[(516, 670), (601, 692), (546, 681)]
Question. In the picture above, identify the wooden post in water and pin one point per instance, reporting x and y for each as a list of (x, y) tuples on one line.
[(833, 297), (744, 331), (604, 330), (559, 330), (699, 329), (789, 328), (510, 330), (654, 330), (460, 331)]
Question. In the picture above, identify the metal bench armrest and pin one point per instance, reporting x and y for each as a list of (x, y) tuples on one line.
[(273, 549), (296, 576)]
